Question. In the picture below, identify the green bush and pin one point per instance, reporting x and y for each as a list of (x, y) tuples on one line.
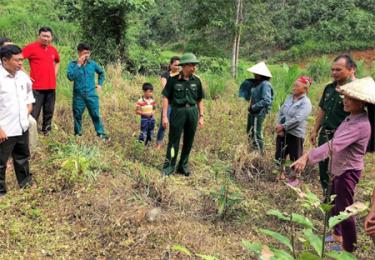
[(144, 61), (319, 68), (302, 230), (213, 65), (17, 23), (76, 162)]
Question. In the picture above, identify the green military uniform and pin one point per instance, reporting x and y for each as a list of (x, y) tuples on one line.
[(183, 95), (332, 105)]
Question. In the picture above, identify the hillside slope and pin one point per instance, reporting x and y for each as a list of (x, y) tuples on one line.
[(93, 199)]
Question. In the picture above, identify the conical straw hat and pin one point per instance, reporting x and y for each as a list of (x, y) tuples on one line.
[(362, 89), (260, 69)]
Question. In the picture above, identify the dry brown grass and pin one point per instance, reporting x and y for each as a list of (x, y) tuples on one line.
[(107, 218)]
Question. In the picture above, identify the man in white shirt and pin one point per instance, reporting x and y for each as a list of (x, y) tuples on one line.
[(16, 98)]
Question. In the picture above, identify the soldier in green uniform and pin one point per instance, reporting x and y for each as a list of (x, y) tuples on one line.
[(185, 93), (331, 111)]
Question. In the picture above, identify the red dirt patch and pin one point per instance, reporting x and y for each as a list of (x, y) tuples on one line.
[(368, 56)]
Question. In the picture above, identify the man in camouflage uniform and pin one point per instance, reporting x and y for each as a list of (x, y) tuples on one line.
[(185, 93)]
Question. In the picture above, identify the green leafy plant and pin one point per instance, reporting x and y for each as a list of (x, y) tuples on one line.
[(225, 199), (76, 162), (183, 250), (301, 229)]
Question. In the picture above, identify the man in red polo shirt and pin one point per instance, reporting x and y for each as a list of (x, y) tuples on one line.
[(44, 65)]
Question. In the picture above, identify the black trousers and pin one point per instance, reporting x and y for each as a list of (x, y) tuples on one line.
[(44, 99), (288, 145), (18, 147)]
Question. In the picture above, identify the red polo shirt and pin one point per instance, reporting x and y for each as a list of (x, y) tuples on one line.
[(42, 61)]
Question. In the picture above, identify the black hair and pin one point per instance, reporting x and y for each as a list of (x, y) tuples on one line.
[(8, 51), (173, 59), (83, 47), (262, 78), (4, 40), (45, 29), (350, 63), (147, 86)]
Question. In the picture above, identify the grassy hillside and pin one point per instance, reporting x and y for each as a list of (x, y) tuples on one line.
[(110, 201), (92, 198)]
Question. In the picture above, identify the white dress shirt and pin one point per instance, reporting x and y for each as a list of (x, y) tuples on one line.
[(15, 94)]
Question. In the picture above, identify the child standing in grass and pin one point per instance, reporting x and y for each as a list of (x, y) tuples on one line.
[(146, 109)]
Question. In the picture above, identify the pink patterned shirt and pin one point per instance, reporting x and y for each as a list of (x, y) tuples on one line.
[(349, 145)]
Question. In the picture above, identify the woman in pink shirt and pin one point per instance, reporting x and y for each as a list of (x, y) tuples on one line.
[(347, 149)]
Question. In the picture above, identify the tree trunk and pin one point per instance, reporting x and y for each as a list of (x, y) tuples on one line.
[(237, 37)]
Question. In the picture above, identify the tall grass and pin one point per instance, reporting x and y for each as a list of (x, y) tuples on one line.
[(216, 85)]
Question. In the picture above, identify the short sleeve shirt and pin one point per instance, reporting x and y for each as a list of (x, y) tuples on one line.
[(332, 105), (181, 92), (146, 105), (42, 65)]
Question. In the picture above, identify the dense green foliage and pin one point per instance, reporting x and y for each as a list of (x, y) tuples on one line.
[(93, 198), (104, 25), (294, 27), (136, 31)]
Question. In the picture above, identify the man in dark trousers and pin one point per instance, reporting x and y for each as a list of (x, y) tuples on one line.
[(185, 93), (331, 110), (16, 98), (258, 91), (44, 65)]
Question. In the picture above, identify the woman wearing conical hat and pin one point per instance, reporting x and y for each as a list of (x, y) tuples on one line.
[(260, 94), (352, 139)]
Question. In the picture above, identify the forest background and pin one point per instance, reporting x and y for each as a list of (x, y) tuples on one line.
[(93, 199)]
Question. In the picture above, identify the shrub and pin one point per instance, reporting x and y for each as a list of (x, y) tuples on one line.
[(214, 65), (302, 230), (144, 61), (76, 163), (319, 68)]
